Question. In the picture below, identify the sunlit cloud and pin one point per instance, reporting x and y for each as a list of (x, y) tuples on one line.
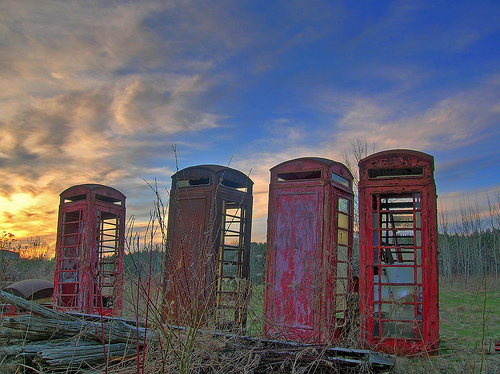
[(85, 100), (454, 121), (382, 122)]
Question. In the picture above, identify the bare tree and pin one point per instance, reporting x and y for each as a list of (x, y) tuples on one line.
[(494, 221), (360, 148), (469, 240), (447, 255)]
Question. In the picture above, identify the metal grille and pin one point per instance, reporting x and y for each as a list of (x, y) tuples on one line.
[(397, 256)]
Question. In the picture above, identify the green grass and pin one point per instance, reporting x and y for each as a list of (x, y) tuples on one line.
[(464, 311), (461, 317), (256, 310), (469, 325)]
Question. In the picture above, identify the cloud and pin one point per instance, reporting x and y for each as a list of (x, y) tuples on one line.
[(161, 105), (93, 93), (395, 118), (99, 91), (454, 168), (457, 119)]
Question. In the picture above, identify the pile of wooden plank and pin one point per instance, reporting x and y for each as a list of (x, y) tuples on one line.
[(52, 341)]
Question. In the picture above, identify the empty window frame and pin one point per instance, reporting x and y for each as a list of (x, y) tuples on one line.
[(193, 182), (235, 185), (232, 287), (108, 259), (397, 258), (396, 172), (299, 175), (108, 199), (72, 199), (344, 247), (69, 259)]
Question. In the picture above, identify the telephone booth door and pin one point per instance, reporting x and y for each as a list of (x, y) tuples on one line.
[(398, 252), (309, 250), (89, 250), (208, 247)]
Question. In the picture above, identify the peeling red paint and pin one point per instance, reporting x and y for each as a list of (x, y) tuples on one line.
[(305, 291)]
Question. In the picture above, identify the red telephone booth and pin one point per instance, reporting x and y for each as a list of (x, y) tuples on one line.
[(398, 252), (89, 251), (309, 250), (208, 247)]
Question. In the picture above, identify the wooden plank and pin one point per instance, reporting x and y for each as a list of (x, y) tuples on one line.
[(109, 331), (34, 308)]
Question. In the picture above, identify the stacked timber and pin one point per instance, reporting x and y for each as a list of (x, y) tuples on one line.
[(50, 341), (55, 341)]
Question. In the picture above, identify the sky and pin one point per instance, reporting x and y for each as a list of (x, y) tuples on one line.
[(103, 91)]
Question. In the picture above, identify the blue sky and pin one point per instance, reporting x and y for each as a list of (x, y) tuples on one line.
[(100, 92)]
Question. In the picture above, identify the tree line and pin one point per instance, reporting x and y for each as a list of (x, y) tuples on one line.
[(469, 241)]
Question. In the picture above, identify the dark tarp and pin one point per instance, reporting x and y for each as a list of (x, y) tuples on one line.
[(31, 289)]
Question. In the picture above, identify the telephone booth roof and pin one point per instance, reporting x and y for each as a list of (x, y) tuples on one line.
[(298, 169), (96, 189), (227, 176), (394, 159)]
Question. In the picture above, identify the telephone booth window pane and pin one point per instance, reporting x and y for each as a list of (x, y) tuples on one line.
[(343, 222), (395, 293), (341, 286), (419, 256), (341, 302), (417, 220), (343, 238), (341, 308), (342, 270), (340, 180), (398, 330), (408, 257), (343, 205), (342, 253)]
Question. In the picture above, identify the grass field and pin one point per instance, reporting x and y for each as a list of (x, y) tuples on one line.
[(464, 310), (469, 327)]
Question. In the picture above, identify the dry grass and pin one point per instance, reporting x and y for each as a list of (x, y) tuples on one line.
[(464, 349), (464, 312)]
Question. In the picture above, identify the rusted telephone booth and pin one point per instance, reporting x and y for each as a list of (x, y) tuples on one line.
[(90, 249), (208, 247), (309, 250), (398, 252)]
